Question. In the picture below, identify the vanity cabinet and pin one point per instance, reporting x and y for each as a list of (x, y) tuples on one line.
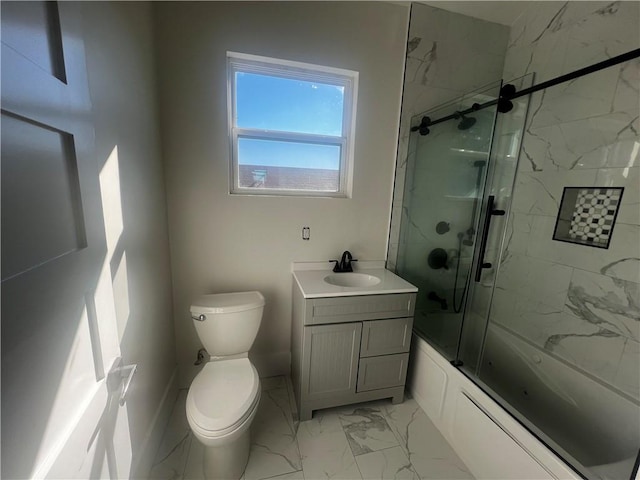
[(349, 349)]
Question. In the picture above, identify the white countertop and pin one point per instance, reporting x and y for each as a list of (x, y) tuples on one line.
[(310, 278)]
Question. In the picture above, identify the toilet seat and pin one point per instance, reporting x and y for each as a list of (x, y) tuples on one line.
[(222, 397)]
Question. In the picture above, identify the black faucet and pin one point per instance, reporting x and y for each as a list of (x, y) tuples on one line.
[(344, 265)]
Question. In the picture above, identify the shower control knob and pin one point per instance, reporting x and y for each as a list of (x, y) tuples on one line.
[(442, 228)]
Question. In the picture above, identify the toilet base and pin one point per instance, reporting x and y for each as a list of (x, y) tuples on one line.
[(227, 462)]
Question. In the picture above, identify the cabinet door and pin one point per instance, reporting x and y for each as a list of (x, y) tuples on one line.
[(382, 372), (385, 337), (331, 355)]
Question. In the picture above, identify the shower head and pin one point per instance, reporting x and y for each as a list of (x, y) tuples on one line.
[(466, 123)]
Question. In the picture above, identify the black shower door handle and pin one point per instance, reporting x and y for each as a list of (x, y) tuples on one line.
[(485, 234)]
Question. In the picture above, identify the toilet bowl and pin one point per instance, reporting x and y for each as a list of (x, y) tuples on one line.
[(223, 398)]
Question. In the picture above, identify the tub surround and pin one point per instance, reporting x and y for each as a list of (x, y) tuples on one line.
[(581, 302), (573, 308), (309, 276)]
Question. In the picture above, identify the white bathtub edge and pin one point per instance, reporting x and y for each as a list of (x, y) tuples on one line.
[(529, 457)]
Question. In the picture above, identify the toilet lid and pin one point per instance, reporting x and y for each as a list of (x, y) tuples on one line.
[(227, 302), (222, 394)]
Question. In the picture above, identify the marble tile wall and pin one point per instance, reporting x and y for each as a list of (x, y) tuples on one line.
[(448, 55), (580, 303), (374, 440)]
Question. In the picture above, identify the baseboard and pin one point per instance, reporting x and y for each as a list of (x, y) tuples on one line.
[(271, 364), (153, 436)]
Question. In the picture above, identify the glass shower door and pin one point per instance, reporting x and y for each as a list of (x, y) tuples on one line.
[(444, 186), (540, 336), (507, 138)]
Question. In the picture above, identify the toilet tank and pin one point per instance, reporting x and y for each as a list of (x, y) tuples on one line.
[(230, 321)]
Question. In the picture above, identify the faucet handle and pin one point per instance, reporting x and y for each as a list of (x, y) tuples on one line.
[(336, 267)]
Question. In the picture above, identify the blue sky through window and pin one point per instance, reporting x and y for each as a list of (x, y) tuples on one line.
[(290, 105), (284, 104)]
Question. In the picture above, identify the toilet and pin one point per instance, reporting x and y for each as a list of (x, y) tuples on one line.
[(223, 398)]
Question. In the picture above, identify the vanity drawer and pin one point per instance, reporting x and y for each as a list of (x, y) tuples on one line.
[(382, 372), (358, 308), (384, 337)]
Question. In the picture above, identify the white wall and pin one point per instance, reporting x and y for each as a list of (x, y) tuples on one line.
[(223, 243), (121, 70)]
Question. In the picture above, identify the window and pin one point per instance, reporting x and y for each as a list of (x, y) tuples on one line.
[(291, 127)]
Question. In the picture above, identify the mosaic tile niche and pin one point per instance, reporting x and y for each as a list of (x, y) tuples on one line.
[(587, 215)]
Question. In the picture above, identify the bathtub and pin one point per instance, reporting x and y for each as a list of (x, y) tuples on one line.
[(493, 444)]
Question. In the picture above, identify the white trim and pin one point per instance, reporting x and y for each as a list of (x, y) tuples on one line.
[(247, 59), (348, 79), (153, 436), (293, 137)]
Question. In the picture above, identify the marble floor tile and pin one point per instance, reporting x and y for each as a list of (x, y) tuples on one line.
[(389, 441), (289, 476), (400, 417), (295, 416), (367, 430), (429, 453), (388, 464), (194, 469), (269, 383), (324, 449), (172, 454), (274, 449)]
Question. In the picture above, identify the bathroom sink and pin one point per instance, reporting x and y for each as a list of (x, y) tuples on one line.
[(352, 280)]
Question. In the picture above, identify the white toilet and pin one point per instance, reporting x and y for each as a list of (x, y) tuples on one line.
[(224, 396)]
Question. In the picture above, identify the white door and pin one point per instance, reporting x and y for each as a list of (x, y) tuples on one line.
[(60, 419)]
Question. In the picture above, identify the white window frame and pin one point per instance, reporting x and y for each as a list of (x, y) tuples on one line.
[(241, 62)]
